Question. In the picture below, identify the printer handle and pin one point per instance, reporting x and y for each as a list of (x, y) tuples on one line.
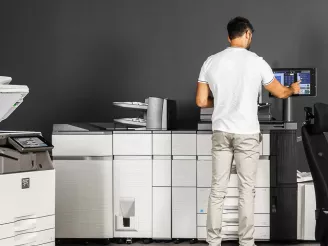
[(27, 239), (25, 217), (25, 225)]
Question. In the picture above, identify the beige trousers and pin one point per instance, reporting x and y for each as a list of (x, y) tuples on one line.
[(244, 149)]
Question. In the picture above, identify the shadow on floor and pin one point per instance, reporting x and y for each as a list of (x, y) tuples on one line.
[(170, 243)]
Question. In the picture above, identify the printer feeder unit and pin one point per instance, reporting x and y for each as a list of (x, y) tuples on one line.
[(156, 114)]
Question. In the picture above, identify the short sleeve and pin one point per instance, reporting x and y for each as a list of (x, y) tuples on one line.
[(266, 72), (202, 75)]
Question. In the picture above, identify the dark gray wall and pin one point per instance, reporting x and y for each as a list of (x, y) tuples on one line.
[(79, 56)]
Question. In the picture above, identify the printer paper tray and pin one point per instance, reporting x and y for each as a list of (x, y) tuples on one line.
[(131, 105), (127, 121)]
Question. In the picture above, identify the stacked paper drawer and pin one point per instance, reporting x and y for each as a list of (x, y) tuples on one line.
[(184, 190), (230, 212), (162, 185), (28, 218)]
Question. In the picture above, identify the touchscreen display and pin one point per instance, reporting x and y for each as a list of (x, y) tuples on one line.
[(287, 77), (30, 142)]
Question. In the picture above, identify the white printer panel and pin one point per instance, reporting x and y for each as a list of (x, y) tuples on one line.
[(263, 174), (162, 144), (202, 199), (184, 212), (40, 238), (162, 222), (10, 99), (36, 231), (201, 233), (306, 206), (44, 237), (82, 145), (204, 144), (184, 172), (184, 144), (309, 204), (265, 144), (204, 173), (162, 172), (84, 198), (201, 219), (36, 201), (29, 216), (133, 197), (132, 144), (162, 194)]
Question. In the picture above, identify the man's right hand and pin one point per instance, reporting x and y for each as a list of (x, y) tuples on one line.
[(295, 87), (280, 91)]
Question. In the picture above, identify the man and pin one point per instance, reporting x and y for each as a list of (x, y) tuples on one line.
[(234, 76)]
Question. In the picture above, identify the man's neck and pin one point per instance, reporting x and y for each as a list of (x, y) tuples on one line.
[(237, 46)]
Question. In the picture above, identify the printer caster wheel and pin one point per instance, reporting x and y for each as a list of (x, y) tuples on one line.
[(120, 241), (106, 241), (129, 241), (192, 241), (147, 241), (176, 241)]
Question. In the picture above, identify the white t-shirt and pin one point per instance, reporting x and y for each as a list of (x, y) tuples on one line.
[(235, 76)]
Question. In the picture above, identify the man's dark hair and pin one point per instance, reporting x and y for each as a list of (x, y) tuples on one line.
[(238, 26)]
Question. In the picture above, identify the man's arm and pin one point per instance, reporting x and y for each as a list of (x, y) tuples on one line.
[(280, 91), (273, 85), (203, 96)]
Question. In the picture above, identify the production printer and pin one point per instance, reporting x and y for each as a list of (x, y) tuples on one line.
[(129, 184), (27, 179)]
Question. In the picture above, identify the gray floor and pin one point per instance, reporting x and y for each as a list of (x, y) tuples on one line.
[(197, 244)]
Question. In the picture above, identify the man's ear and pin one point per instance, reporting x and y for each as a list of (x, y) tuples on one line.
[(229, 40), (248, 34)]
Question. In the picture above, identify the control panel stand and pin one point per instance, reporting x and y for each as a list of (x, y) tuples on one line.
[(287, 110)]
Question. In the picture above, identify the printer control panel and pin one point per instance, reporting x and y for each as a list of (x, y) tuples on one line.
[(32, 143)]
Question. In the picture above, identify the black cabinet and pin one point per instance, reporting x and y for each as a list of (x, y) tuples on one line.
[(283, 157), (283, 192), (283, 214)]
